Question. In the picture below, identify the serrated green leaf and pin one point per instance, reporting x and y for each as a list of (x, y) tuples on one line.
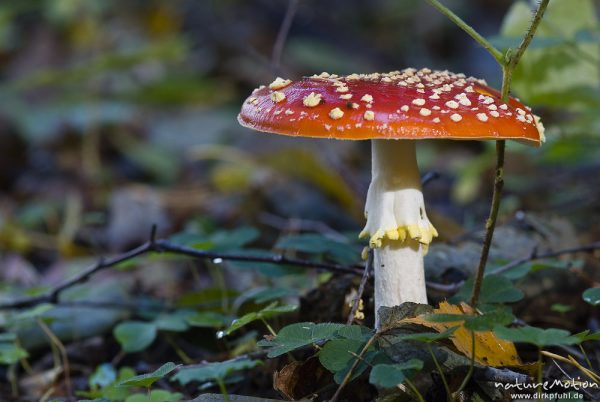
[(392, 375), (355, 332), (592, 296), (298, 335), (339, 354), (585, 336), (135, 336), (537, 336), (146, 380), (213, 371)]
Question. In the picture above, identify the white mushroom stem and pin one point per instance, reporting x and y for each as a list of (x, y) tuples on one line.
[(397, 224)]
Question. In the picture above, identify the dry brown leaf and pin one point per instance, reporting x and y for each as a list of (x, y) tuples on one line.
[(489, 349)]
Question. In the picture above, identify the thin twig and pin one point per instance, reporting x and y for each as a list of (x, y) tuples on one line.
[(496, 54), (590, 248), (165, 246), (508, 63), (361, 287), (282, 35)]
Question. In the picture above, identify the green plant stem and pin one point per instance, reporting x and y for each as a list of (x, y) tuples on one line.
[(490, 224), (271, 330), (508, 63), (496, 54), (55, 342), (540, 362), (471, 366), (358, 359), (535, 22), (223, 389), (439, 368), (585, 356), (414, 389)]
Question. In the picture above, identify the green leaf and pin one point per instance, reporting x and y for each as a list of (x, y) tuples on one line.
[(428, 337), (221, 240), (33, 313), (175, 321), (482, 322), (213, 371), (585, 336), (104, 375), (339, 354), (208, 319), (392, 375), (559, 67), (355, 332), (11, 353), (263, 295), (298, 335), (341, 252), (135, 336), (270, 311), (146, 380), (592, 296), (8, 337), (265, 268), (561, 308), (157, 395), (495, 289), (537, 336)]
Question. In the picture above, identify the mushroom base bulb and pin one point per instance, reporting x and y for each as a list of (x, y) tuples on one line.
[(397, 224)]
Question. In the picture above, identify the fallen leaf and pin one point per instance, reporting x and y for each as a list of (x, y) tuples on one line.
[(489, 349)]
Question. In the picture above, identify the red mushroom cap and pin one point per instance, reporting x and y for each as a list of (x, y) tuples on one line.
[(407, 104)]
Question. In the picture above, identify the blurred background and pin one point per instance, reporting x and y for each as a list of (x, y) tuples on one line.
[(118, 115)]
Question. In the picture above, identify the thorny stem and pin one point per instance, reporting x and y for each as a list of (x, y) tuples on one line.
[(496, 54), (508, 63), (348, 376)]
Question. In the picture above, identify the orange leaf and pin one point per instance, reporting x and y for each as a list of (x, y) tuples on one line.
[(489, 349)]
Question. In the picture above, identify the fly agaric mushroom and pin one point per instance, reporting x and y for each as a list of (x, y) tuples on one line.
[(392, 110)]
